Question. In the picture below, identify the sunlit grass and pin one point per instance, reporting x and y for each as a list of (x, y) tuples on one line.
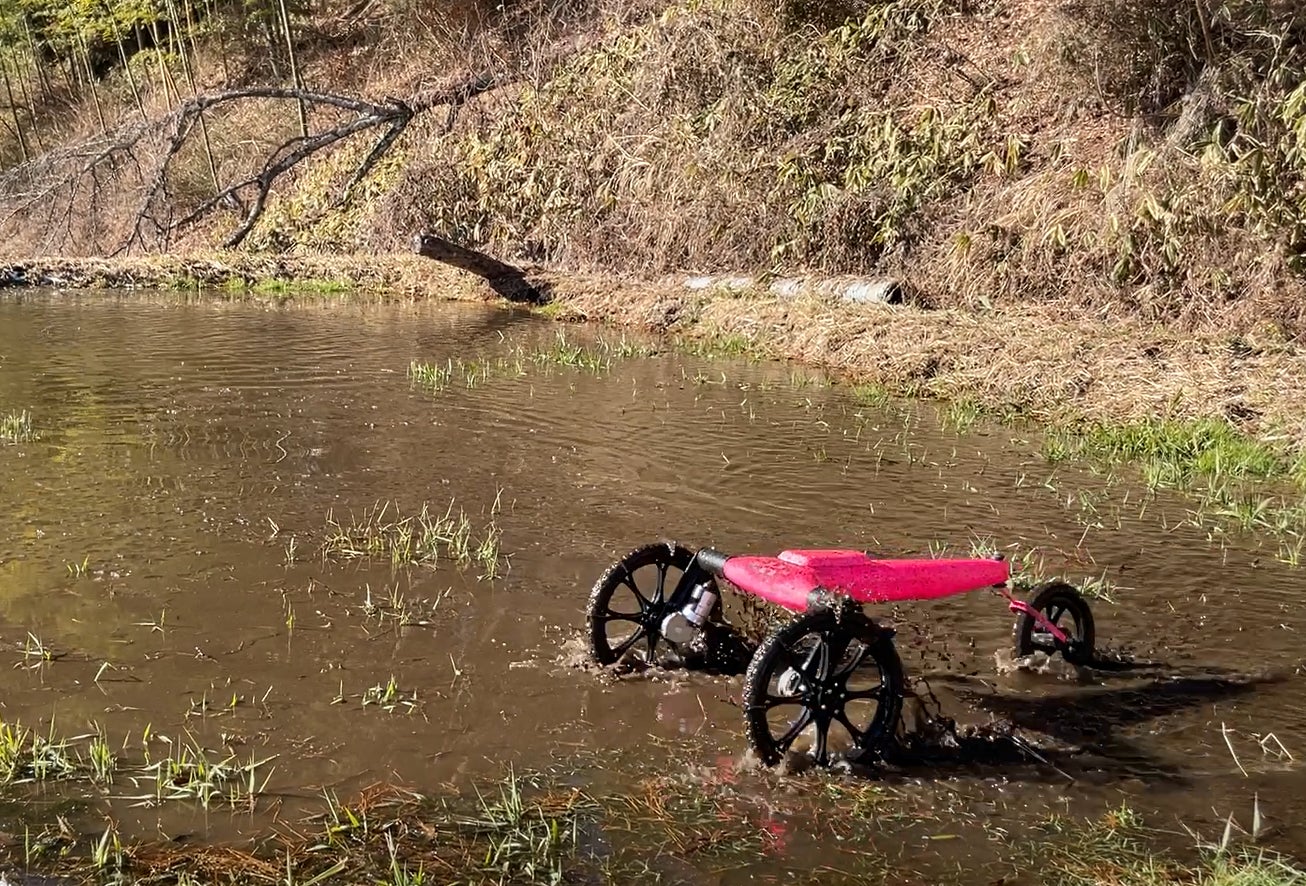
[(525, 840), (17, 427), (1171, 453), (597, 356), (527, 829), (192, 772), (392, 606), (424, 538), (1117, 848), (871, 395), (718, 346), (389, 697)]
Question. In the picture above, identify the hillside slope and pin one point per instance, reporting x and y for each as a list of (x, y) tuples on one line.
[(1138, 157)]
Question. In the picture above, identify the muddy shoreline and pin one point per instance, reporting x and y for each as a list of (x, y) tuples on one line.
[(1051, 363)]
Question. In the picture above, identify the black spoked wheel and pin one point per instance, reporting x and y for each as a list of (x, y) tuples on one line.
[(1066, 608), (835, 678), (630, 599)]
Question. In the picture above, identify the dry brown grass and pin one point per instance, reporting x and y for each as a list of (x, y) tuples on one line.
[(989, 153)]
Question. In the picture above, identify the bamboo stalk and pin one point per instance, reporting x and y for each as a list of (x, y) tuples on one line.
[(28, 104), (72, 75), (13, 109), (90, 80), (41, 73), (169, 86), (210, 13), (126, 65), (194, 89), (190, 28), (294, 67)]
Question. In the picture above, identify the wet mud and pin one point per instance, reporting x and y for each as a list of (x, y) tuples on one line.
[(163, 580)]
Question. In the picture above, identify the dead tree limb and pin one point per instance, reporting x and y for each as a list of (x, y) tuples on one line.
[(507, 280), (58, 177)]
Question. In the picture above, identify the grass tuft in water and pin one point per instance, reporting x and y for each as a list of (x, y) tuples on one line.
[(595, 357), (16, 427), (390, 697), (190, 772), (398, 609), (871, 395), (526, 829), (424, 538), (27, 756), (1116, 848), (526, 841), (718, 346), (1171, 453), (431, 375), (959, 416), (101, 759)]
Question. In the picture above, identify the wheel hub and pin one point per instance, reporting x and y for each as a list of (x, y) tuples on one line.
[(790, 682), (824, 697)]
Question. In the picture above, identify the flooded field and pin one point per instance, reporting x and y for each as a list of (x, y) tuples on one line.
[(216, 581)]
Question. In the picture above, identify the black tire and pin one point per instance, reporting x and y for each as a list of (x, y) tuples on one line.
[(818, 686), (1056, 600), (664, 562)]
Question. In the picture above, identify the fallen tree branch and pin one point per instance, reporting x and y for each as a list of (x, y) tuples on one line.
[(507, 280), (73, 180)]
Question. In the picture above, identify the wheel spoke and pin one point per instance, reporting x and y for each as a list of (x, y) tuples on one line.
[(819, 751), (662, 584), (856, 734), (865, 693), (629, 581), (858, 657), (795, 728), (774, 701), (836, 647), (823, 661), (627, 644), (620, 616), (652, 639)]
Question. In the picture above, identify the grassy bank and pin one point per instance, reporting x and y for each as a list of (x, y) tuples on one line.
[(1126, 159), (545, 827)]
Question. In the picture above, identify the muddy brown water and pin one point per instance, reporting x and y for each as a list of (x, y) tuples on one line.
[(183, 444)]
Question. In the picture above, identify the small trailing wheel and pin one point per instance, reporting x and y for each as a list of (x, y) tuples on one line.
[(1064, 607), (630, 600), (835, 675)]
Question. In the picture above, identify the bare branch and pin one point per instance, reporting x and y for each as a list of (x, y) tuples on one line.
[(78, 175), (379, 150)]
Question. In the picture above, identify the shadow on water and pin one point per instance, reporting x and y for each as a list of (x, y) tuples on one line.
[(1079, 732), (1092, 715), (1038, 736)]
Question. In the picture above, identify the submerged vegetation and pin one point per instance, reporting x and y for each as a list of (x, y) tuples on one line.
[(1115, 848), (1177, 453), (188, 772), (424, 538), (1237, 482), (596, 357), (16, 427)]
